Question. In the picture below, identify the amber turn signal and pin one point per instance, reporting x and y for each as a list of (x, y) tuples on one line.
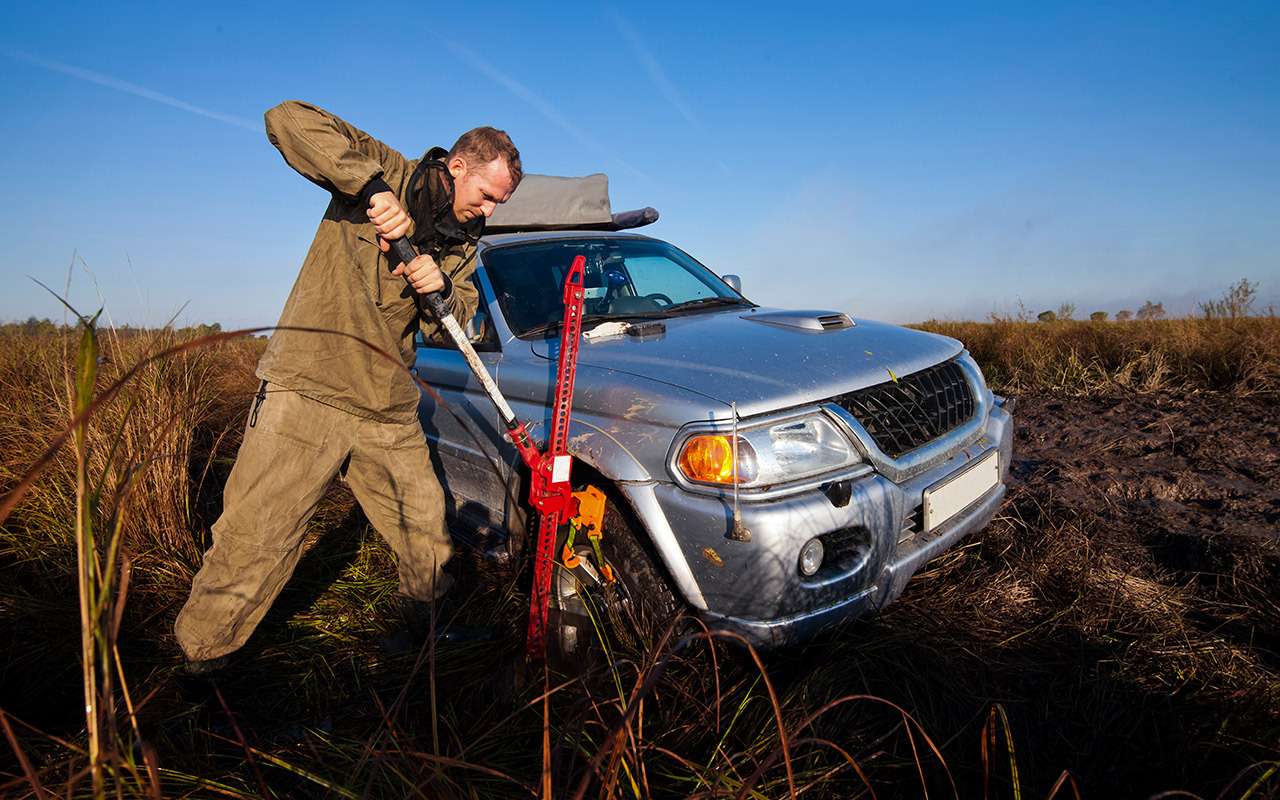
[(708, 458)]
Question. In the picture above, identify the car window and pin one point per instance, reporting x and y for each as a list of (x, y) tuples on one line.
[(653, 275), (623, 277)]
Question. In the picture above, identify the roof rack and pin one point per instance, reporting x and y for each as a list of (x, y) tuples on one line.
[(554, 203)]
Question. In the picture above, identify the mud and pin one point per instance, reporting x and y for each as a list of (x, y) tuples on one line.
[(1179, 493), (1195, 475), (1123, 608)]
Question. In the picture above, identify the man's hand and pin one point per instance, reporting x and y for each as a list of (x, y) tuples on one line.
[(422, 273), (389, 219)]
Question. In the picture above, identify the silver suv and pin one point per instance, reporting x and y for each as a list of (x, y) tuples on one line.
[(774, 471)]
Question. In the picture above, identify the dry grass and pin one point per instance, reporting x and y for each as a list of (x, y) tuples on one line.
[(1036, 658), (1239, 355), (160, 432)]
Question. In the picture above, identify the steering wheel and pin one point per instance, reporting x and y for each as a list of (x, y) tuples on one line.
[(656, 296)]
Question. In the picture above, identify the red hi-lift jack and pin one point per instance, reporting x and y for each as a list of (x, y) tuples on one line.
[(549, 489), (550, 492)]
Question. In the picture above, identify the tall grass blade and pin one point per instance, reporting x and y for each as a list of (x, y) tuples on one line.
[(88, 569), (21, 755), (989, 731)]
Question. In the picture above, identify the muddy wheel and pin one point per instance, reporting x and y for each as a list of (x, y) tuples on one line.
[(592, 621)]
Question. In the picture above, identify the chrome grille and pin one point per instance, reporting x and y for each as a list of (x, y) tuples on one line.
[(914, 410)]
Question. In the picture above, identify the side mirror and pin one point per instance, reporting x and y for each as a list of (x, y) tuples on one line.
[(734, 282)]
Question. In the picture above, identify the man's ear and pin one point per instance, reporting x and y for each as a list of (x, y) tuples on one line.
[(457, 166)]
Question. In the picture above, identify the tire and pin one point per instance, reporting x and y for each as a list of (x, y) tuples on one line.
[(592, 622)]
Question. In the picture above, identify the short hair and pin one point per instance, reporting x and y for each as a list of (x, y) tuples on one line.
[(484, 144)]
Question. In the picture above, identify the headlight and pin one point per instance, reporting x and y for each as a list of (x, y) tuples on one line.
[(767, 454), (708, 458)]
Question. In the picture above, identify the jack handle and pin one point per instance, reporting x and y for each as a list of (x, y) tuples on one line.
[(434, 304)]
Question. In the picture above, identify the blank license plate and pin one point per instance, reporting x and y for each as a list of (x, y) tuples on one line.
[(944, 500)]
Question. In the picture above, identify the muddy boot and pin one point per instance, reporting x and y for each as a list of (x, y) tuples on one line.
[(413, 624), (410, 626), (204, 670), (195, 680)]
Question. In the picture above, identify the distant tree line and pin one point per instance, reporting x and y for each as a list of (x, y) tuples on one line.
[(32, 326), (1237, 301)]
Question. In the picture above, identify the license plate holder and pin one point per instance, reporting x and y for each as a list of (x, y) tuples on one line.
[(954, 494)]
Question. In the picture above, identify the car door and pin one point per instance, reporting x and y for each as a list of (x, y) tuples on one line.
[(461, 424)]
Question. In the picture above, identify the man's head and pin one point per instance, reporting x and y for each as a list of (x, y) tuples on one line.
[(485, 166)]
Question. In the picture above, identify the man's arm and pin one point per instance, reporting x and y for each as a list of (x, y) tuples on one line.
[(333, 154), (342, 158)]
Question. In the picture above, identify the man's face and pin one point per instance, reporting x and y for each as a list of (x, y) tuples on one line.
[(477, 190)]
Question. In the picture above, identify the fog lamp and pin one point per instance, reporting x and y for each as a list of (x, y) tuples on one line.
[(709, 459), (811, 558)]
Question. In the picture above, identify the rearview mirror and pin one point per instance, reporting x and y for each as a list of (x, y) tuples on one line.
[(734, 282)]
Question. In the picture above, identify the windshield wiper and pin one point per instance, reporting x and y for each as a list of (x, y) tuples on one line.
[(590, 321), (707, 302)]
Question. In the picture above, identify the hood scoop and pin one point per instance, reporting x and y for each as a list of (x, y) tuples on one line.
[(812, 321)]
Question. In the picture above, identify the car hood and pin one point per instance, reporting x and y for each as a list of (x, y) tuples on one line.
[(746, 357)]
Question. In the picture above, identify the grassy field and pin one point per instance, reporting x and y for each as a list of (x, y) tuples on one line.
[(1115, 632), (1240, 356)]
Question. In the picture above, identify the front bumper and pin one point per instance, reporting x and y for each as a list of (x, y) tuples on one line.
[(754, 588)]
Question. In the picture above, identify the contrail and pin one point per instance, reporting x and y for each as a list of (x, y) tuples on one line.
[(656, 73), (659, 77), (131, 88), (542, 106)]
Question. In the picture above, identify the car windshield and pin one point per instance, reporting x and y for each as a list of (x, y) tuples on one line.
[(625, 278)]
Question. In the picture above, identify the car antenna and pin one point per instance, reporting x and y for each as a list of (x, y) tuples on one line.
[(739, 532)]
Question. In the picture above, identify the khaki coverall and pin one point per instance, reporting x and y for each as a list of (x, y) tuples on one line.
[(329, 397)]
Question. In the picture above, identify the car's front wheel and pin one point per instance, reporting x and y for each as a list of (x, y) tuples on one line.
[(593, 617)]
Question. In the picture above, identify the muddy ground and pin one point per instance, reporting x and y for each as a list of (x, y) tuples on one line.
[(1123, 611), (1167, 510), (1181, 490), (1184, 477)]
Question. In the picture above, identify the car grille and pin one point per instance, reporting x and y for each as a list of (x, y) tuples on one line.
[(914, 410)]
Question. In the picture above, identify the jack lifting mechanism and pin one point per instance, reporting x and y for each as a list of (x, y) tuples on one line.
[(588, 520), (550, 492)]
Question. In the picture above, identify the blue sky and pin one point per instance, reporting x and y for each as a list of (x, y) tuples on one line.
[(895, 161)]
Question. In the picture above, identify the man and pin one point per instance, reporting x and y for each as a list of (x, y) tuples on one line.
[(327, 400)]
